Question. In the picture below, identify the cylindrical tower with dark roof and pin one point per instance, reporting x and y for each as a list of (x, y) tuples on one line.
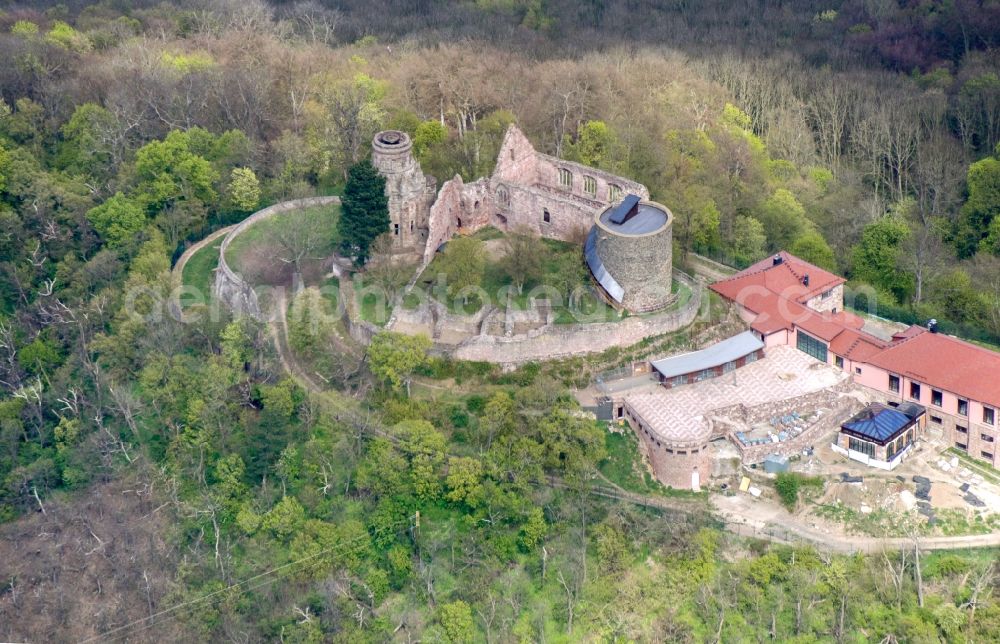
[(630, 252)]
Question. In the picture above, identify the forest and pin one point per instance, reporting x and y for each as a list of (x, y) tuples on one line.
[(169, 480)]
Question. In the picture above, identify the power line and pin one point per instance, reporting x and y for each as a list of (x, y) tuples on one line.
[(152, 619)]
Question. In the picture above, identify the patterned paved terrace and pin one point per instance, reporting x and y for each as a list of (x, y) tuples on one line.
[(679, 413)]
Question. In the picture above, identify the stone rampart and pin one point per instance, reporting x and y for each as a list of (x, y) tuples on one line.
[(559, 341), (229, 286)]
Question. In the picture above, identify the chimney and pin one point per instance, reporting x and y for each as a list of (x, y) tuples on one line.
[(805, 279), (932, 325), (777, 260)]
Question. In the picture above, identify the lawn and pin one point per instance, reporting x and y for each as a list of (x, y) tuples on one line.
[(200, 271), (256, 252), (496, 282), (625, 468)]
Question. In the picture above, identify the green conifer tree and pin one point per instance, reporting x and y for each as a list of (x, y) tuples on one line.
[(364, 212)]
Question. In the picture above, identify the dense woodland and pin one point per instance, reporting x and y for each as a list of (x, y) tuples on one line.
[(861, 135)]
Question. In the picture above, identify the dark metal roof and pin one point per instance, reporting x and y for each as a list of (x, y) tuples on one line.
[(603, 277), (625, 210), (878, 423), (716, 355), (648, 219)]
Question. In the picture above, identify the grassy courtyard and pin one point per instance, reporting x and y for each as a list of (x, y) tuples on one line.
[(263, 252)]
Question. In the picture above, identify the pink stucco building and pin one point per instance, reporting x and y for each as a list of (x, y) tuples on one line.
[(786, 300)]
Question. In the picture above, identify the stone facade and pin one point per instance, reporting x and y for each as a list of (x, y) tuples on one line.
[(830, 301), (556, 199), (229, 287), (680, 464), (409, 191), (641, 263)]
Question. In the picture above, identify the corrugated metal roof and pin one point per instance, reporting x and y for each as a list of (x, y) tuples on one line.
[(878, 423), (714, 356), (603, 277)]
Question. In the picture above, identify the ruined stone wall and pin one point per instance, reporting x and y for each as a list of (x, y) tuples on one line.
[(525, 185), (229, 287), (564, 340), (410, 193), (458, 205)]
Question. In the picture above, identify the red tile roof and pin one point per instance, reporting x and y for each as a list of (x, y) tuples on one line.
[(784, 279), (857, 346), (944, 362)]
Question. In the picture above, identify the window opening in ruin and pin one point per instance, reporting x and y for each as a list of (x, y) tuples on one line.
[(459, 223), (396, 229), (565, 178), (545, 215), (614, 192), (590, 186), (411, 225)]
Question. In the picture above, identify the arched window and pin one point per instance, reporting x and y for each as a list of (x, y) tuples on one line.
[(565, 178), (590, 186), (614, 192), (503, 197), (546, 217)]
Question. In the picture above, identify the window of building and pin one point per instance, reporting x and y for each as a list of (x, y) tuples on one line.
[(395, 229), (893, 403), (894, 384), (811, 346), (590, 186), (826, 295), (614, 192), (987, 455), (512, 154), (705, 374), (857, 369), (682, 452), (961, 430), (936, 420), (937, 398), (546, 217), (915, 390), (864, 447), (989, 415), (503, 197), (621, 411), (751, 357), (680, 380), (963, 407), (986, 438), (962, 446), (839, 361), (565, 178), (729, 366)]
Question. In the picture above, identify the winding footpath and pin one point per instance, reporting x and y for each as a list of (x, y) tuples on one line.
[(742, 516)]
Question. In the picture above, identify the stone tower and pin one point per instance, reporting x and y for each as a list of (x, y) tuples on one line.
[(410, 193)]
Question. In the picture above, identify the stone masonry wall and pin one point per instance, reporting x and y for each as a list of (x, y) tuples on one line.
[(835, 301), (559, 341), (229, 287)]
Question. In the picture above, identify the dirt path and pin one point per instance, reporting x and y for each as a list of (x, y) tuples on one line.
[(751, 517)]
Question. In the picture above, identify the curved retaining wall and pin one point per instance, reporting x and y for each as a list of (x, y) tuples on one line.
[(229, 286), (560, 341)]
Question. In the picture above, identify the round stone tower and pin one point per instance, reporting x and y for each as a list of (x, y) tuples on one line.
[(410, 193), (632, 242)]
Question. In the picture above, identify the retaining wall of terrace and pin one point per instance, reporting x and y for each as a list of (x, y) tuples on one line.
[(554, 341), (229, 286)]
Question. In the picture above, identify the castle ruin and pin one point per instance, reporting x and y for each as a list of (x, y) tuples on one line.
[(555, 198)]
